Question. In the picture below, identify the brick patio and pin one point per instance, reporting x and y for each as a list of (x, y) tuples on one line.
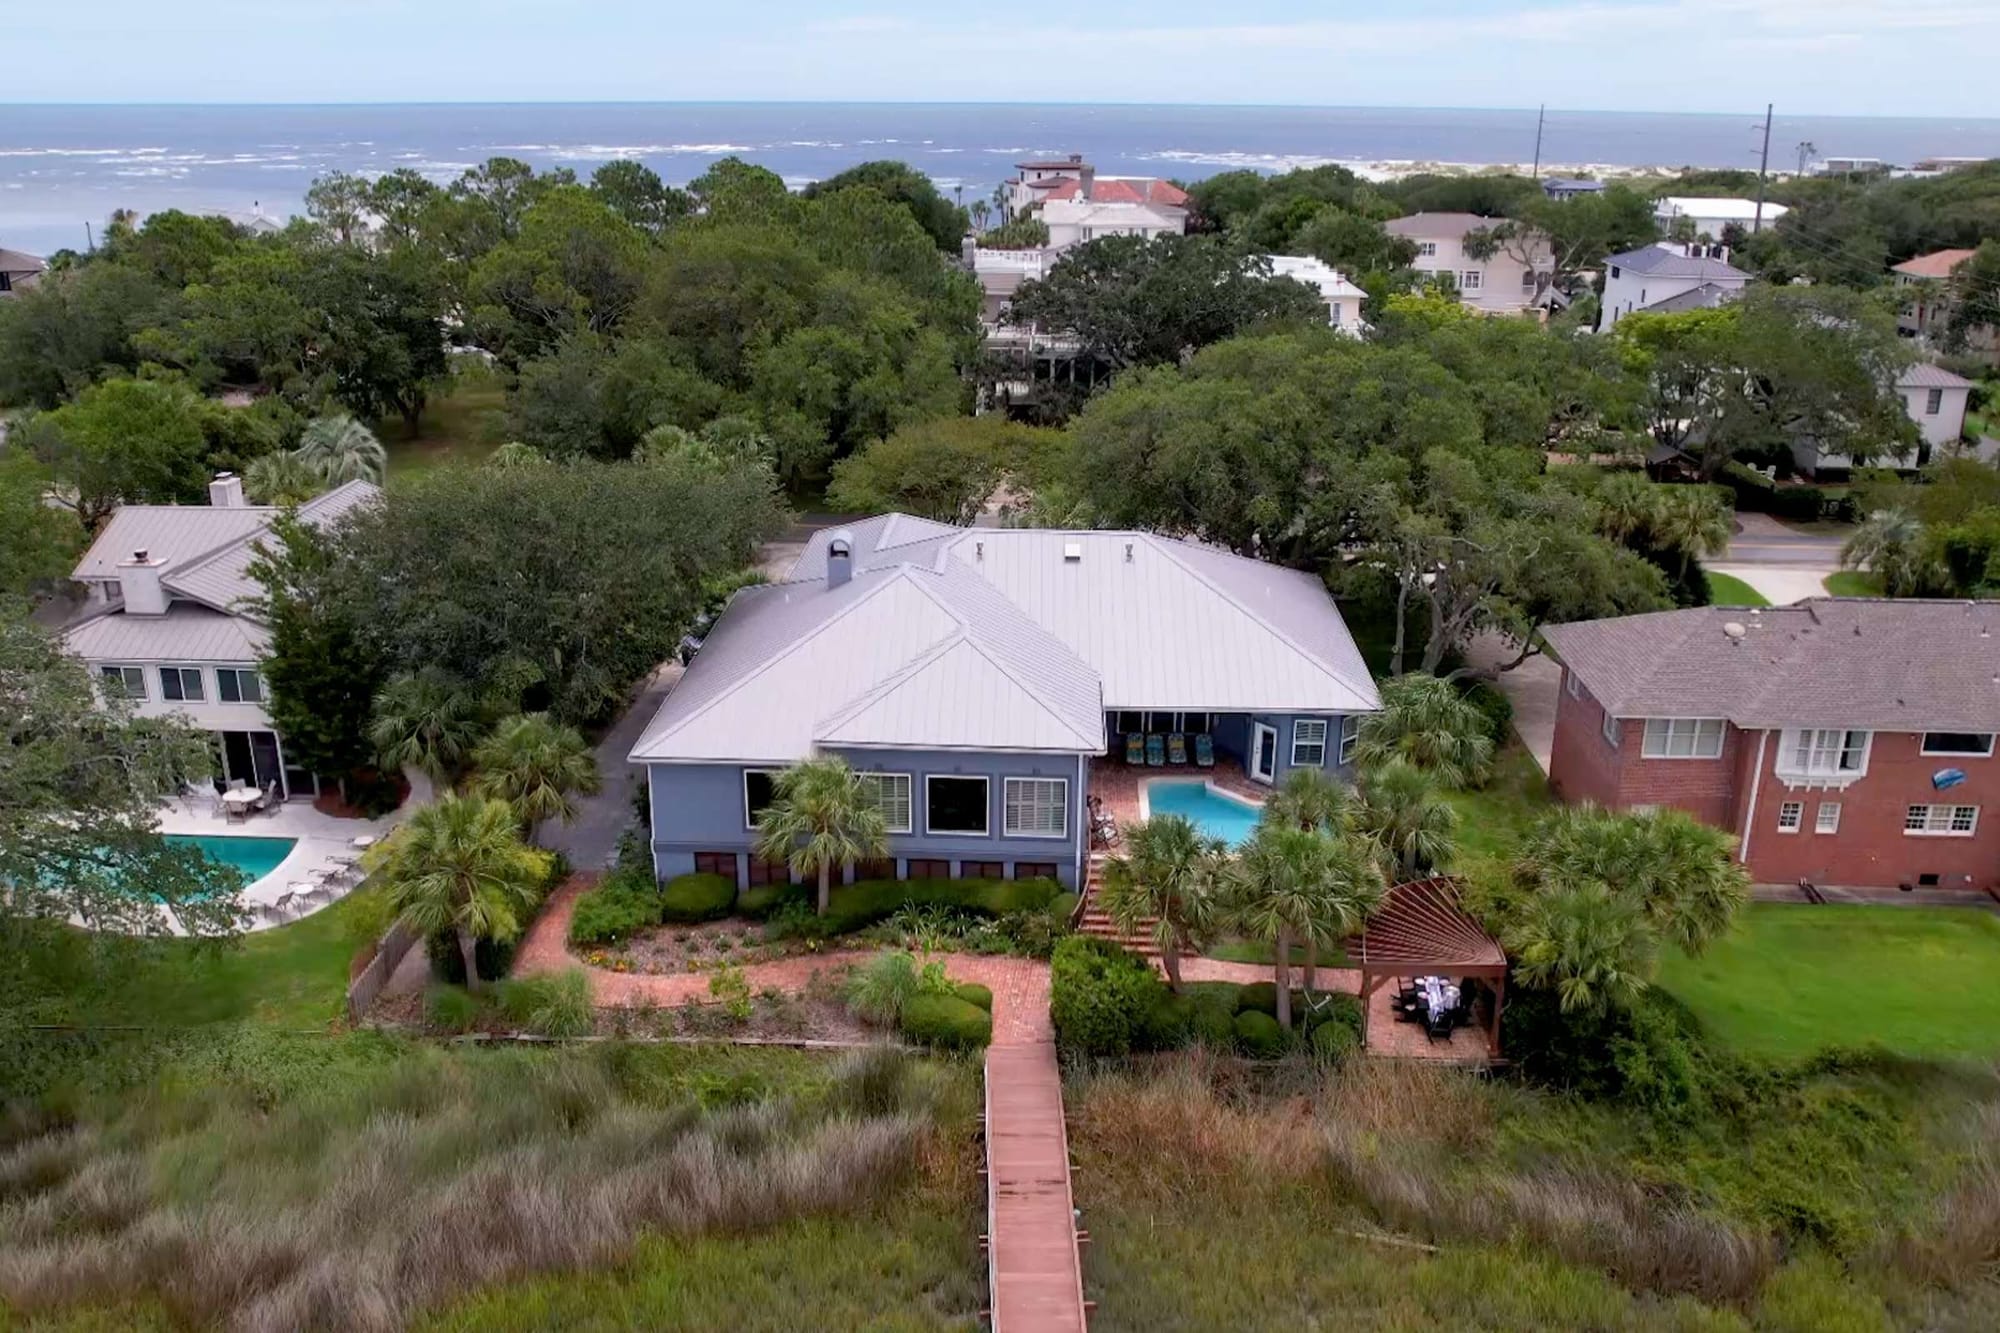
[(1116, 783)]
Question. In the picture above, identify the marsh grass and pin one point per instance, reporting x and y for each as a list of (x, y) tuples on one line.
[(359, 1202)]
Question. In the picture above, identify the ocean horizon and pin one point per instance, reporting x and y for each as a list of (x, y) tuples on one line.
[(65, 167)]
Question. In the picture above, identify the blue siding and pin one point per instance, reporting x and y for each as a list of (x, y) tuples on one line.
[(699, 808), (1282, 722)]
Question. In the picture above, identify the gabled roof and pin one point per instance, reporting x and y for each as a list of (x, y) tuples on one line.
[(18, 262), (1924, 375), (1001, 638), (186, 633), (1667, 261), (1426, 226), (1330, 282), (1874, 663), (1936, 264), (1705, 297)]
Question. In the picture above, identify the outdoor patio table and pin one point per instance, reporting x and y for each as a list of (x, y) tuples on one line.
[(240, 800), (363, 843)]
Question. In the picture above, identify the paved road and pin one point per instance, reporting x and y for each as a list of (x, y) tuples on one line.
[(1763, 540)]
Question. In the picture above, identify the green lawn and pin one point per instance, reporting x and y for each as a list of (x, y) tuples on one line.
[(1793, 978), (462, 424), (1728, 590), (1492, 820), (1853, 583)]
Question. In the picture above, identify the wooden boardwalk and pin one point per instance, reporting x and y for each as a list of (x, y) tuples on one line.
[(1036, 1275)]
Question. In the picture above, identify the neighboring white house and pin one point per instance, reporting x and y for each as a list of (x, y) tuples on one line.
[(1710, 216), (167, 620), (1663, 278), (1074, 221), (1936, 400), (1343, 299), (1073, 180), (1497, 285)]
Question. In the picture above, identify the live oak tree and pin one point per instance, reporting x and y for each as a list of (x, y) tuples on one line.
[(38, 542), (122, 442), (943, 469), (942, 220)]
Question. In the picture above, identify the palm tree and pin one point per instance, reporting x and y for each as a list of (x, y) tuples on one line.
[(515, 454), (1679, 873), (1406, 816), (341, 449), (1694, 521), (1294, 884), (1309, 799), (980, 210), (1168, 875), (281, 478), (537, 766), (1890, 543), (428, 721), (460, 865), (1626, 506), (1591, 945), (821, 817), (1428, 723)]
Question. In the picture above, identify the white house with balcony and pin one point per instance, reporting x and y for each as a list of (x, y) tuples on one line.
[(1667, 278), (1343, 299), (169, 621), (1502, 283)]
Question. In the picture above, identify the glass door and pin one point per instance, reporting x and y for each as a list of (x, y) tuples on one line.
[(1263, 752)]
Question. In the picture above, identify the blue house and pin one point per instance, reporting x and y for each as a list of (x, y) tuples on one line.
[(988, 681)]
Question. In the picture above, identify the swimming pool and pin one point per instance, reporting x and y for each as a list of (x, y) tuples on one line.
[(253, 858), (1214, 811)]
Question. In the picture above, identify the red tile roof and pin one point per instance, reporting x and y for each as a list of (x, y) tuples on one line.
[(1937, 264), (1112, 190)]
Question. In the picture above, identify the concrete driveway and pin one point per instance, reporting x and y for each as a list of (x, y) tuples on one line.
[(1531, 687), (1782, 563)]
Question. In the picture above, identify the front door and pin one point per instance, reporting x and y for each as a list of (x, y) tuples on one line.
[(1263, 752)]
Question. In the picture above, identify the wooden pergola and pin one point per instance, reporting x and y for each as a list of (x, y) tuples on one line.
[(1422, 930)]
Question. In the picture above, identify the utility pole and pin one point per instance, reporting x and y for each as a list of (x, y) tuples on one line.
[(1541, 113), (89, 241), (1763, 171)]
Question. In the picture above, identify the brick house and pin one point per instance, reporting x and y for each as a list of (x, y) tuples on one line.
[(1844, 741)]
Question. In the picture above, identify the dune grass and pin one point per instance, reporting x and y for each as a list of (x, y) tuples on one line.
[(1793, 978), (284, 1195), (1728, 590)]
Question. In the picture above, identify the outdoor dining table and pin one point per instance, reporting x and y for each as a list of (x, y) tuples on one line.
[(240, 800), (1439, 994)]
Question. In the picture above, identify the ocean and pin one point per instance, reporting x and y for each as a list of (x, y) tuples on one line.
[(62, 167)]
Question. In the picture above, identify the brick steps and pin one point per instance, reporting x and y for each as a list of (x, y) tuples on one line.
[(1095, 923)]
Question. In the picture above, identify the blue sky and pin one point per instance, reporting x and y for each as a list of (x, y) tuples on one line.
[(1863, 57)]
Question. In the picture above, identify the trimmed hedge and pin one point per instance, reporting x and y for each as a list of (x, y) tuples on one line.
[(947, 1022), (1063, 905), (696, 898), (867, 901), (1258, 1035), (615, 909), (974, 993), (1332, 1043), (1101, 998), (1258, 997)]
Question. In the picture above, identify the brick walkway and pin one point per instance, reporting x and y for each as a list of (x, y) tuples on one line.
[(1035, 1274)]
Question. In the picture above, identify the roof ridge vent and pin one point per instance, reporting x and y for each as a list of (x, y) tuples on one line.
[(1072, 552)]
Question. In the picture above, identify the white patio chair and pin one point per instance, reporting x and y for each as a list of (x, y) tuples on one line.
[(282, 904)]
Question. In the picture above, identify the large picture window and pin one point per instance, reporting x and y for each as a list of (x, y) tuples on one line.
[(1683, 738), (181, 684), (1968, 744), (760, 788), (955, 805), (890, 792), (1825, 753), (1309, 742), (1942, 821), (1037, 807)]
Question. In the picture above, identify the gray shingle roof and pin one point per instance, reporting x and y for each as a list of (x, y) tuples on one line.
[(1665, 262), (997, 638), (1873, 663), (1705, 297)]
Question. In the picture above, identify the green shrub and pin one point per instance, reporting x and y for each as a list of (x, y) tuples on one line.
[(882, 986), (1332, 1043), (732, 990), (1334, 1007), (555, 1004), (1213, 1020), (1063, 905), (760, 902), (1168, 1023), (493, 958), (452, 1009), (1258, 997), (974, 993), (947, 1022), (615, 910), (1495, 707), (1258, 1035), (697, 898), (1100, 996)]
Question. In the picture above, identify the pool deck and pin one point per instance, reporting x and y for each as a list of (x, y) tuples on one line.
[(1117, 783), (319, 837)]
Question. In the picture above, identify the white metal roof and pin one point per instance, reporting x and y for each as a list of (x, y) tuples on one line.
[(174, 533), (1330, 281), (186, 633), (1729, 210), (1002, 638)]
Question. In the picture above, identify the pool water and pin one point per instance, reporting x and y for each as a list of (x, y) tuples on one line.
[(253, 858), (1214, 812)]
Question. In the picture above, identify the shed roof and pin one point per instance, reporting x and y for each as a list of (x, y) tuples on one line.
[(1878, 664), (1924, 375)]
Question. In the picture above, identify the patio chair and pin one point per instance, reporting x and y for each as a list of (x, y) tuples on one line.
[(1156, 751), (1177, 748), (1135, 748), (1204, 750), (269, 805)]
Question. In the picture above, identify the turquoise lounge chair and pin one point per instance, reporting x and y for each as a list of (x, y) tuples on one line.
[(1156, 751), (1177, 748), (1135, 748), (1204, 750)]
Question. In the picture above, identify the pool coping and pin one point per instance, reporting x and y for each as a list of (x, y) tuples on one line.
[(1146, 786), (276, 872)]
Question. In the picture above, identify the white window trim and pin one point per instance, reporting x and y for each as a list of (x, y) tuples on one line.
[(1824, 825), (1646, 750), (1573, 685), (1472, 280), (140, 695), (744, 782), (1324, 732), (910, 784), (1788, 742), (986, 804), (1924, 749), (1952, 806), (251, 672), (1611, 729), (1007, 784), (1350, 736), (1797, 811), (180, 670)]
